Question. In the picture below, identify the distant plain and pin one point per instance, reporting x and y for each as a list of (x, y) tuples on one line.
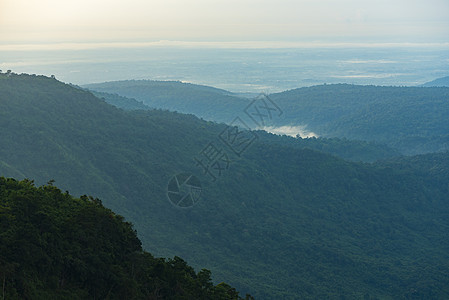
[(239, 70)]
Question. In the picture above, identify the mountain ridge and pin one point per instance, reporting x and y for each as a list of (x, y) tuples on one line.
[(355, 150), (411, 120), (439, 82), (280, 222)]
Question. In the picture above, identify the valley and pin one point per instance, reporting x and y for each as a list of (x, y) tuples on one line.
[(287, 218)]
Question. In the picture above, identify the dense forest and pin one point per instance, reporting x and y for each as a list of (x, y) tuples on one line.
[(412, 120), (55, 246), (121, 102), (280, 221), (355, 150)]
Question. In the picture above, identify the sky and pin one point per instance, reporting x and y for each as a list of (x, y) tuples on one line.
[(223, 21)]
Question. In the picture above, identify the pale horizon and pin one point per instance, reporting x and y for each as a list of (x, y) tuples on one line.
[(223, 22), (243, 46)]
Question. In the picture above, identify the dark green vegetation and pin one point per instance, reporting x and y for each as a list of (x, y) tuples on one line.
[(411, 120), (55, 246), (121, 102), (348, 149), (283, 222)]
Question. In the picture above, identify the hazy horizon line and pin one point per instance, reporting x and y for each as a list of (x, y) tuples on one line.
[(206, 44)]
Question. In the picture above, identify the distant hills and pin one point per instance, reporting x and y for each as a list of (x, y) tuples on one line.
[(280, 221), (439, 82), (355, 150), (411, 120), (203, 101)]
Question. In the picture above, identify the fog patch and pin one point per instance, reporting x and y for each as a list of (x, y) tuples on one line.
[(291, 131)]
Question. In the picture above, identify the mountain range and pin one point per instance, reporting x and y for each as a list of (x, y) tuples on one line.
[(410, 120), (275, 218), (440, 82)]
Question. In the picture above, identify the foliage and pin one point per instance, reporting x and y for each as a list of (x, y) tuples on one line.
[(354, 150), (412, 120), (121, 102), (283, 222), (214, 105), (54, 246)]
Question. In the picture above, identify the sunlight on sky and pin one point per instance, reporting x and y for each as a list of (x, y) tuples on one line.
[(51, 21)]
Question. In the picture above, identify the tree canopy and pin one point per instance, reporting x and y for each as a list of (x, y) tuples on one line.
[(55, 246), (282, 222)]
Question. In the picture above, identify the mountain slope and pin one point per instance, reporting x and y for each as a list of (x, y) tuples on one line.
[(203, 101), (54, 246), (120, 101), (440, 82), (411, 120), (348, 149), (279, 222)]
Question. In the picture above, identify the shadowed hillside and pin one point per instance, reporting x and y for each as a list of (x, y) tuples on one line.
[(279, 222)]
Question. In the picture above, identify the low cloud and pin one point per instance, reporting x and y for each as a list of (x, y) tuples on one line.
[(291, 131)]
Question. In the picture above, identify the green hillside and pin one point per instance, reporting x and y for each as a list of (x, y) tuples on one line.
[(352, 150), (203, 101), (347, 149), (54, 246), (121, 102), (412, 120), (279, 222)]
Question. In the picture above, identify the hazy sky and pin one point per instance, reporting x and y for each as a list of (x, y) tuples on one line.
[(68, 21)]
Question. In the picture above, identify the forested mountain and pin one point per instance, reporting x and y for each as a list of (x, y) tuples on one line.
[(411, 120), (121, 102), (205, 102), (55, 246), (348, 149), (279, 221), (441, 82)]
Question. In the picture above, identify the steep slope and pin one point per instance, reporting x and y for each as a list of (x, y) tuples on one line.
[(411, 120), (278, 222), (54, 246), (347, 149)]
